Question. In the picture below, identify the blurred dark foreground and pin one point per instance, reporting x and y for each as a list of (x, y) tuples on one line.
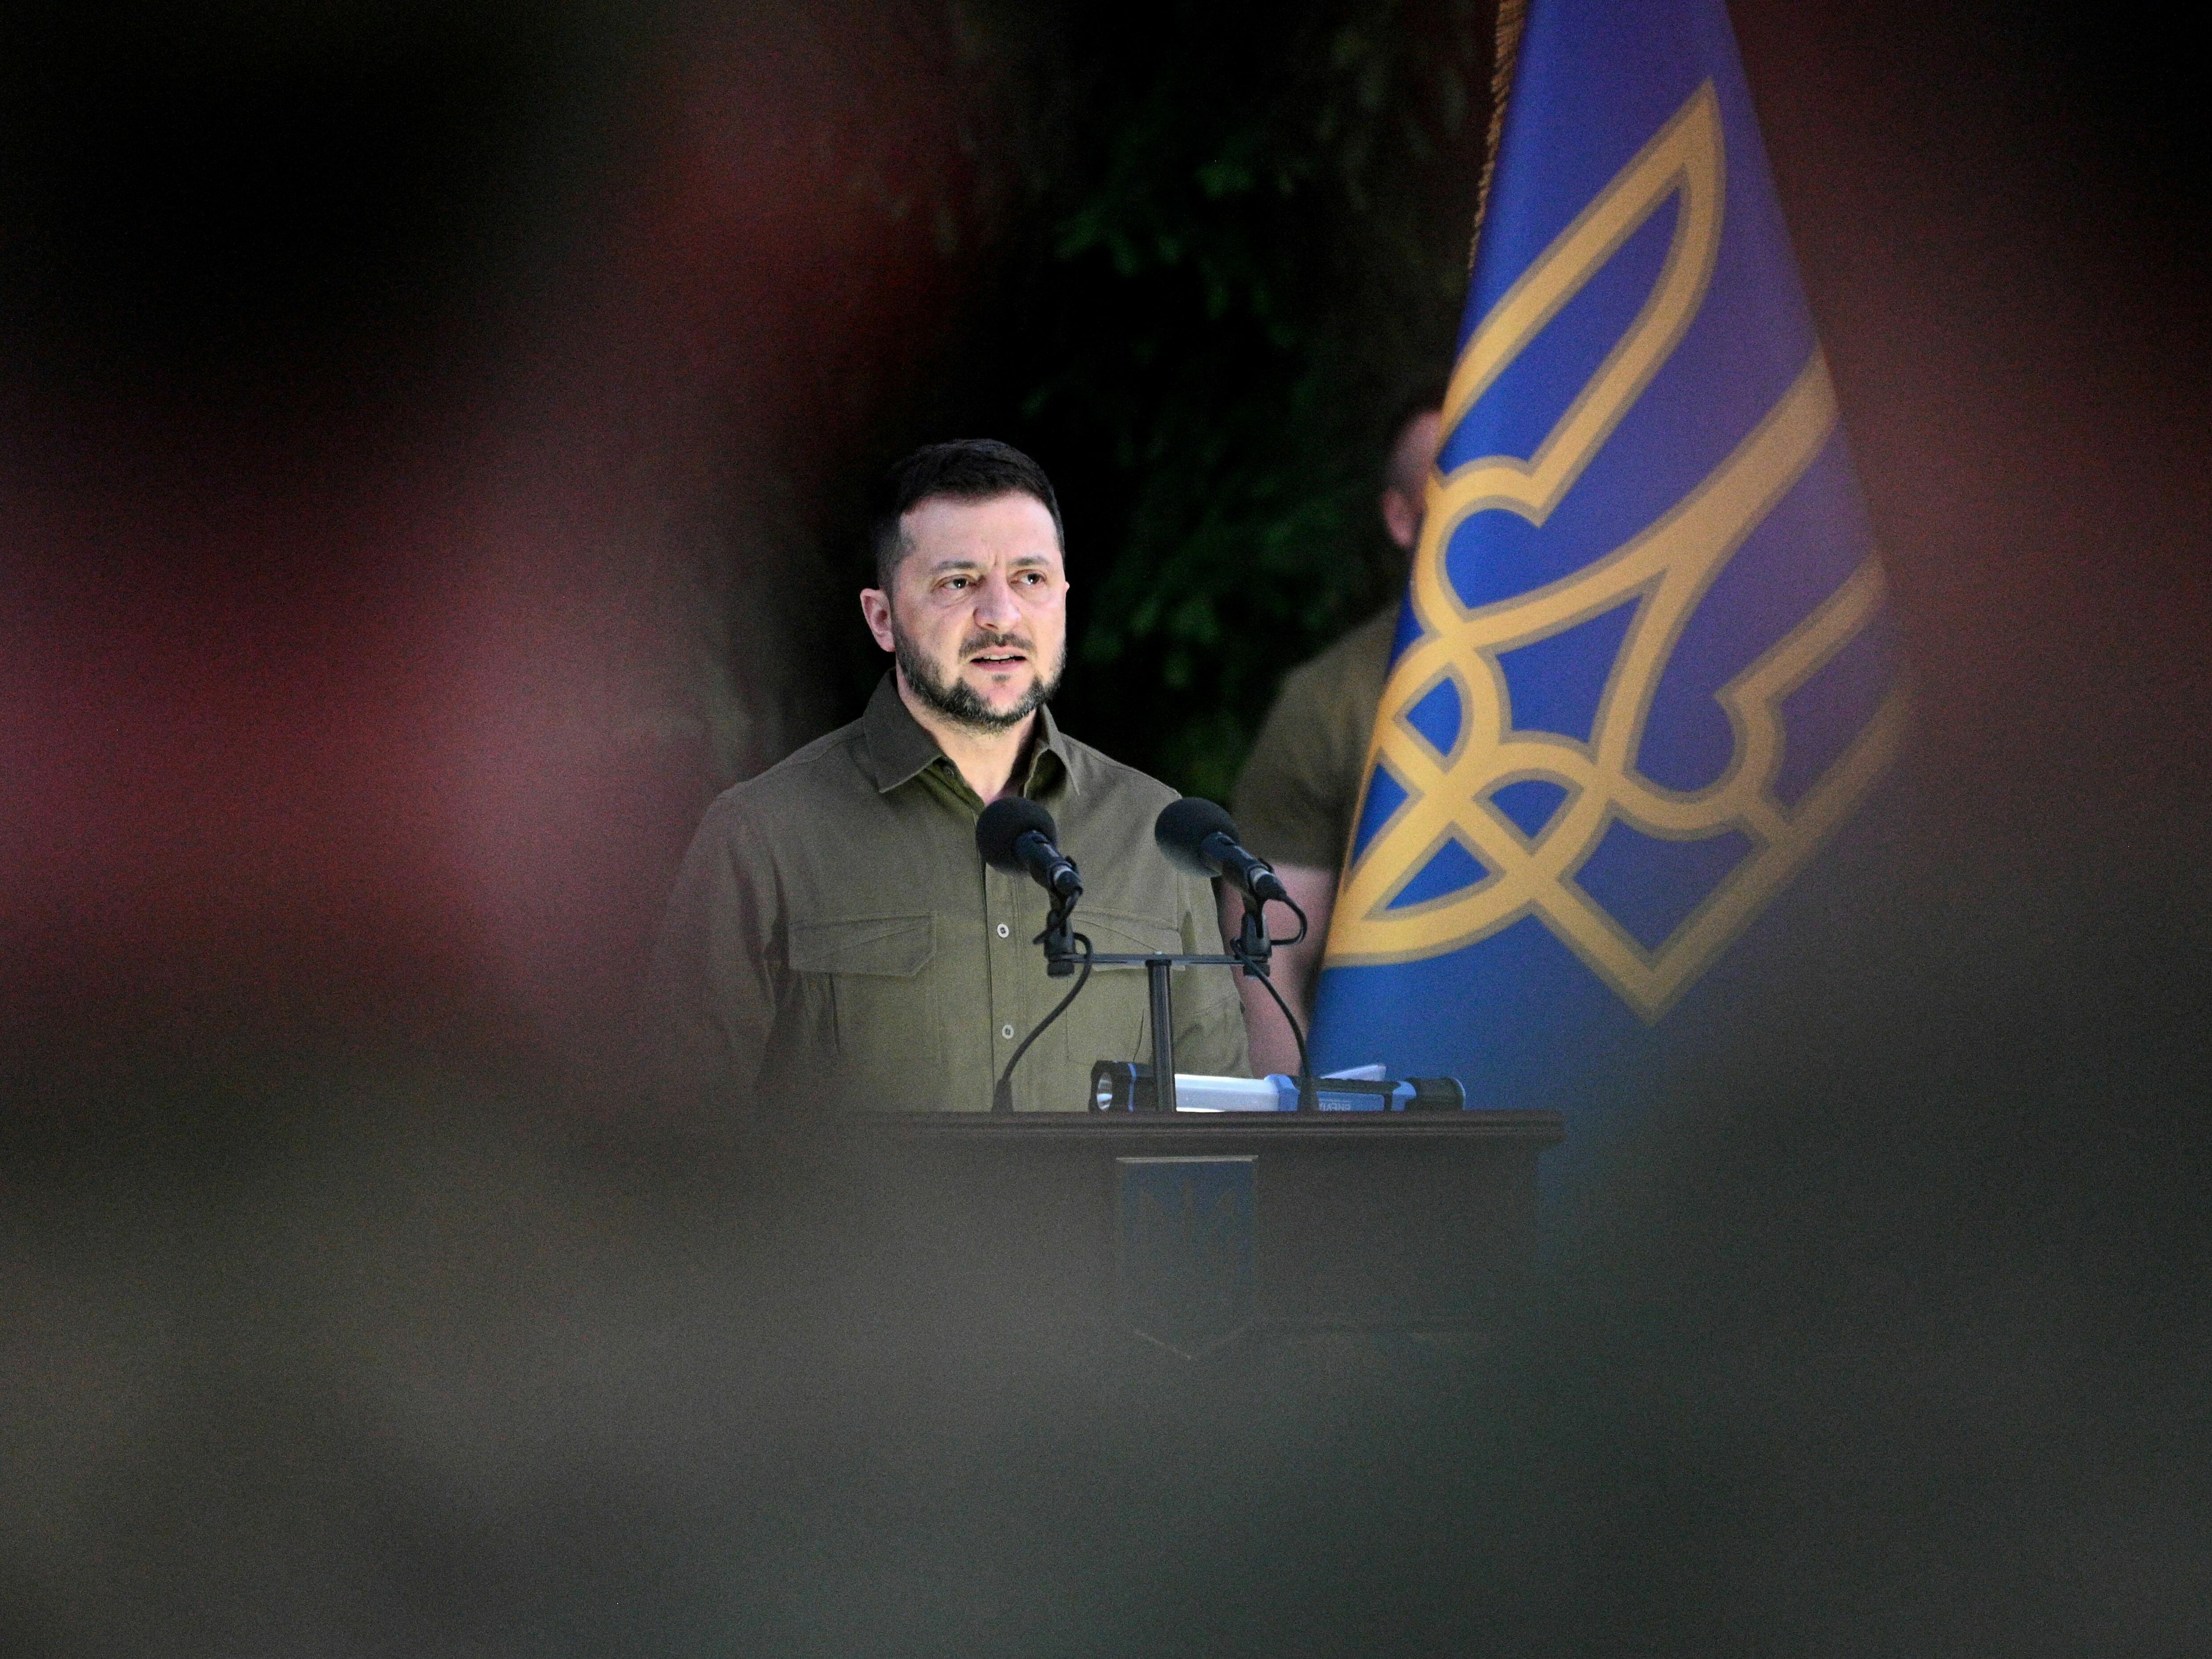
[(1888, 1336), (428, 437)]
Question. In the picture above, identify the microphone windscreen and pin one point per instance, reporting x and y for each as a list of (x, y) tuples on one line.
[(1183, 825), (1004, 821)]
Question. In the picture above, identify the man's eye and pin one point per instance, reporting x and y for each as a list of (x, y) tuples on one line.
[(956, 582)]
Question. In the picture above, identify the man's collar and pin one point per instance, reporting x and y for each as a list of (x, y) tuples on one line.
[(899, 746)]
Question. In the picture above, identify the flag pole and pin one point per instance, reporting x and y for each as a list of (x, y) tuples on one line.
[(1505, 51)]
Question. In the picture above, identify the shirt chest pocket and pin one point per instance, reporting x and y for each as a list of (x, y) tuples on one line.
[(867, 992)]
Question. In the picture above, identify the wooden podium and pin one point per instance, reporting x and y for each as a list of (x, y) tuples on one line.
[(1194, 1236)]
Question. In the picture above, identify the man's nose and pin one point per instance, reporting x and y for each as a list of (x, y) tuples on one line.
[(995, 604)]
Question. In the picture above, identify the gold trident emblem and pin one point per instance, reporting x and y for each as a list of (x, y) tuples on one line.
[(1665, 570)]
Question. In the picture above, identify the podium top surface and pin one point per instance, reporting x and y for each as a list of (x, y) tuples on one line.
[(1197, 1129)]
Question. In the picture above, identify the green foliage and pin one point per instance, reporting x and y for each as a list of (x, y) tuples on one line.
[(1239, 252)]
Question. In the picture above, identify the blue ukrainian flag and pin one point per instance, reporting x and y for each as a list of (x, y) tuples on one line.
[(1643, 673)]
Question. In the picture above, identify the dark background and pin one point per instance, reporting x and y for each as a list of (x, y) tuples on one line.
[(431, 439)]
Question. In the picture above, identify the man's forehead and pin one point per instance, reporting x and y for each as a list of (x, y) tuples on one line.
[(948, 532)]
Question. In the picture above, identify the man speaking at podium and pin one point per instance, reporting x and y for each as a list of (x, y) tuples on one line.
[(834, 937)]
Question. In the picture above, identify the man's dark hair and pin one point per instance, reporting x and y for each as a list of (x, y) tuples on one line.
[(966, 470)]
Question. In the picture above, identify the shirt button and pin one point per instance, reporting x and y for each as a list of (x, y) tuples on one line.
[(1008, 1032), (1004, 930)]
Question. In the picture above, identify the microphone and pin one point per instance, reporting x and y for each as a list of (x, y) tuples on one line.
[(1198, 836), (1018, 836)]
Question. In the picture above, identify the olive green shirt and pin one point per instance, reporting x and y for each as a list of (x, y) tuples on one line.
[(1295, 799), (834, 937)]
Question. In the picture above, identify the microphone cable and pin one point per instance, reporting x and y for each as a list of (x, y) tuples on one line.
[(1309, 1094), (1002, 1093)]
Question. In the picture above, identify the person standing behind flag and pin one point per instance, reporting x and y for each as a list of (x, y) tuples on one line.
[(1295, 799)]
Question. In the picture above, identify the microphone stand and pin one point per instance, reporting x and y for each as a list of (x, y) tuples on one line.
[(1252, 949), (1250, 953), (1156, 968), (1163, 1014)]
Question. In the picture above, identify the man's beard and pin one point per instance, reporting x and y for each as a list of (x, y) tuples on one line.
[(958, 701)]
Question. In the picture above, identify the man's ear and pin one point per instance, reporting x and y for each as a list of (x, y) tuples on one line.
[(876, 611), (1401, 517)]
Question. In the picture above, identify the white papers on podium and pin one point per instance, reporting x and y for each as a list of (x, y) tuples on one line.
[(1229, 1094), (1275, 1092)]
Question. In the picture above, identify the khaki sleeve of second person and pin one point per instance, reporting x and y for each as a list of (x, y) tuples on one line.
[(1286, 800)]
